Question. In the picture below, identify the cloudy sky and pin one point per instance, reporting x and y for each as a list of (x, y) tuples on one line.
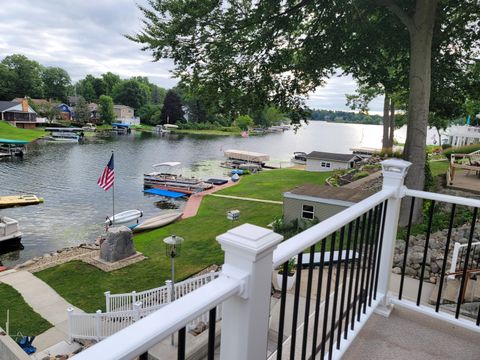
[(86, 37)]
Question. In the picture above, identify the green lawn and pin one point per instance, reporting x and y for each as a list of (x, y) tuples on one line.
[(22, 317), (8, 131), (271, 184), (84, 285), (207, 132), (439, 167)]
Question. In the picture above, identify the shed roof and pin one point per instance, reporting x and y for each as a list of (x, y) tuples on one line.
[(330, 193), (5, 105), (318, 155)]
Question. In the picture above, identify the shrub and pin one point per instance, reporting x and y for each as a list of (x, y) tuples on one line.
[(461, 150), (446, 146), (360, 175)]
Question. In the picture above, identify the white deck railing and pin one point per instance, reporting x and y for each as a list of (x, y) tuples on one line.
[(456, 252), (251, 254)]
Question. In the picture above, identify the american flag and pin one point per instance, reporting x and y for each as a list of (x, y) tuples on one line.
[(108, 176)]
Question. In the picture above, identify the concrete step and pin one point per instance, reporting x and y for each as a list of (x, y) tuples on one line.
[(451, 289)]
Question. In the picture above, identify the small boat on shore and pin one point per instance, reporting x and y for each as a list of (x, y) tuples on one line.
[(299, 157), (124, 217), (9, 232), (19, 200), (158, 221)]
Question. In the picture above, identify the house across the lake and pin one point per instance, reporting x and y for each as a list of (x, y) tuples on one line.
[(309, 202), (19, 114), (66, 112), (324, 161), (125, 115)]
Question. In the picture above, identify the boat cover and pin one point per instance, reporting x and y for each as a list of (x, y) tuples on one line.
[(13, 142), (217, 181), (167, 193)]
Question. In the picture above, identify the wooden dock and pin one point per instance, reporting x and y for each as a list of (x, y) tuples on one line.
[(19, 200)]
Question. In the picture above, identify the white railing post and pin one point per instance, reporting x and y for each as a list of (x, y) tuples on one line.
[(107, 301), (168, 284), (136, 310), (134, 298), (97, 324), (394, 172), (70, 325), (248, 257)]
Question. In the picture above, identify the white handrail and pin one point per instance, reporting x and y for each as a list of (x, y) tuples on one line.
[(443, 198), (314, 234), (151, 330)]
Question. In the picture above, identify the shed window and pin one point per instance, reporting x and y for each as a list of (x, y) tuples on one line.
[(308, 212), (325, 164)]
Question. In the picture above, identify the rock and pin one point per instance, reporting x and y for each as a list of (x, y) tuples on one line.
[(25, 264), (47, 255), (118, 244), (415, 257), (397, 270), (463, 240), (435, 268), (397, 259), (410, 272), (433, 279)]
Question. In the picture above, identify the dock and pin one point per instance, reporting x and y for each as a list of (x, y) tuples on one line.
[(19, 200)]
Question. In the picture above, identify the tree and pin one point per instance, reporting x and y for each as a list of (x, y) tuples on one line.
[(172, 110), (157, 94), (244, 122), (85, 89), (7, 80), (150, 114), (56, 83), (105, 103), (110, 80), (131, 93), (82, 112), (48, 110), (25, 76)]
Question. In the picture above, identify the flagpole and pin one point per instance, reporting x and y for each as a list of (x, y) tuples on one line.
[(113, 194)]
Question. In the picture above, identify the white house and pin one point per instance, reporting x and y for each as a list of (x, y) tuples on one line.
[(125, 115), (323, 161)]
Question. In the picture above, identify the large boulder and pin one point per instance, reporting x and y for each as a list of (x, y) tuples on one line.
[(118, 244)]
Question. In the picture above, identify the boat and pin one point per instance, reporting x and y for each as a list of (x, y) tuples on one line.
[(168, 177), (19, 200), (299, 157), (89, 127), (247, 156), (165, 128), (59, 134), (124, 217), (157, 221), (9, 147), (9, 232)]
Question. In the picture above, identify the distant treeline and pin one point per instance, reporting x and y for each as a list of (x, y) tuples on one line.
[(344, 117)]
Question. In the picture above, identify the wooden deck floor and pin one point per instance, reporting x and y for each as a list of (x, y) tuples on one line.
[(465, 180)]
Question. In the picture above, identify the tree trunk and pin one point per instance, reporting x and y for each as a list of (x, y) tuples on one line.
[(386, 123), (391, 124), (419, 99)]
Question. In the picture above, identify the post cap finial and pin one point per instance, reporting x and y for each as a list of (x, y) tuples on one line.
[(397, 166)]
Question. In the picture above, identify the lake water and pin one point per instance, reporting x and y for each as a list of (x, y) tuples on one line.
[(75, 207)]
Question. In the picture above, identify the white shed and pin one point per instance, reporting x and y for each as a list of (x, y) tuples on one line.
[(323, 161)]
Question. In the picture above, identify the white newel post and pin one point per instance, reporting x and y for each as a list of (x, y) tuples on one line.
[(394, 172), (168, 284), (107, 301), (248, 257), (98, 314), (70, 325)]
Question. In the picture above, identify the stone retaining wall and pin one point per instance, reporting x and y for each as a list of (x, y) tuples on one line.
[(9, 350)]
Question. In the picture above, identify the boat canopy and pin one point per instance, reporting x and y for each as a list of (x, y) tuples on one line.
[(120, 125), (13, 142), (61, 129), (246, 155), (169, 163), (171, 126), (166, 193)]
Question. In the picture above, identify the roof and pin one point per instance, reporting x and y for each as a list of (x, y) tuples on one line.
[(13, 142), (246, 155), (317, 155), (34, 101), (166, 193), (329, 193), (5, 105), (122, 107)]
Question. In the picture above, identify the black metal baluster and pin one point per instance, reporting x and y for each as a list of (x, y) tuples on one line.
[(350, 285), (405, 254), (467, 256), (319, 298), (283, 300), (365, 233), (359, 269), (212, 319), (144, 356), (445, 256), (344, 286), (307, 302), (335, 295), (327, 296), (377, 271), (478, 316), (181, 344), (295, 306), (371, 261), (425, 252), (376, 233)]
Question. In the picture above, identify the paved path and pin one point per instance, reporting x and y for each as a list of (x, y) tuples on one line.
[(249, 199), (43, 300)]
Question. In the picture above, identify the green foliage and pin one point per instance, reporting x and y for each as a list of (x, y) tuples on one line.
[(428, 177), (24, 77), (56, 83), (150, 114), (8, 131), (132, 93), (105, 105), (48, 110), (206, 126), (23, 319), (110, 80), (82, 112), (244, 122), (172, 111), (360, 175), (461, 150), (291, 265), (446, 146), (86, 89), (344, 117)]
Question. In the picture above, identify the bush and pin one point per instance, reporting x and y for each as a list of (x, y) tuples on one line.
[(446, 146), (461, 150), (360, 175)]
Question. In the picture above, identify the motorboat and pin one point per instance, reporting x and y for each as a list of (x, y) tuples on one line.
[(59, 134), (158, 221), (124, 217), (165, 128), (299, 157), (9, 232), (168, 177)]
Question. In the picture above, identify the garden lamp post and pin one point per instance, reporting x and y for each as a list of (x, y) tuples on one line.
[(172, 249)]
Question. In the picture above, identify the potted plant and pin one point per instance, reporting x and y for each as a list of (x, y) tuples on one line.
[(291, 266)]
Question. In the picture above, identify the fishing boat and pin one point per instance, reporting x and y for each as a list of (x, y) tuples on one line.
[(9, 232), (158, 221), (124, 217), (168, 177), (58, 134), (299, 157)]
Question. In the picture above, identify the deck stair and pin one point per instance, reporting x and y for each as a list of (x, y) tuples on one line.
[(123, 310)]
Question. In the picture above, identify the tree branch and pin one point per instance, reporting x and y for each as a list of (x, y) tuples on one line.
[(397, 10)]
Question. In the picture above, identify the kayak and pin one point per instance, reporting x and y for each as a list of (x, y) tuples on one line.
[(124, 217), (158, 221)]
